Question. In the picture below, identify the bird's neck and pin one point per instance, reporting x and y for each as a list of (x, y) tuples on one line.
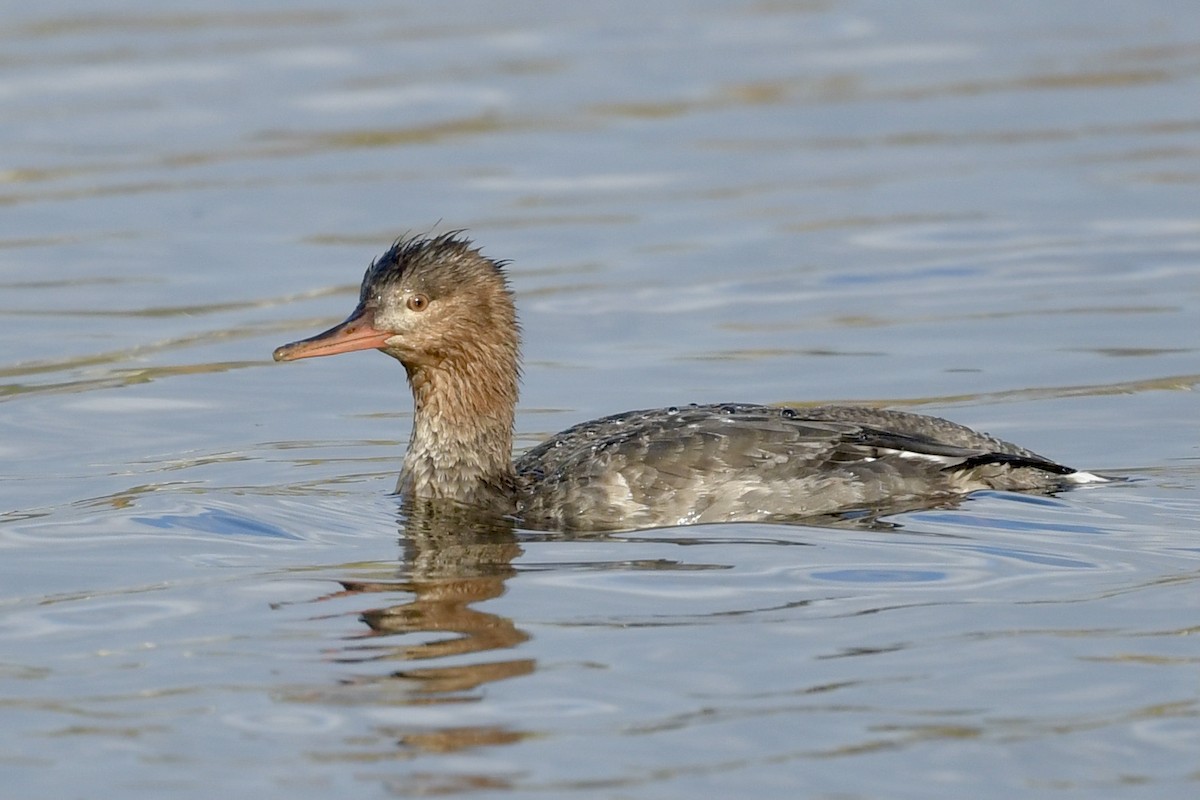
[(461, 444)]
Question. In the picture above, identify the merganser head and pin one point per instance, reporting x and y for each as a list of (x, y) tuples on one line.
[(424, 302)]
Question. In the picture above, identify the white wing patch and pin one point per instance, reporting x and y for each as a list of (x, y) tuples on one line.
[(1079, 476), (1085, 477), (945, 461)]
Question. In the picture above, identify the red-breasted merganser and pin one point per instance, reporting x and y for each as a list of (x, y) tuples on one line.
[(444, 311)]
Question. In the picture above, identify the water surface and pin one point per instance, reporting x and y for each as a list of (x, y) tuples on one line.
[(987, 214)]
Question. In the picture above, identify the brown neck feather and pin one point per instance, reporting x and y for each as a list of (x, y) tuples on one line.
[(461, 445)]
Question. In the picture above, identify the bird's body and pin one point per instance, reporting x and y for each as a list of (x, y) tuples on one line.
[(444, 310), (739, 462)]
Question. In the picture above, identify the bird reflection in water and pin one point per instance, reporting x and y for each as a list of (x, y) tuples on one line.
[(453, 558)]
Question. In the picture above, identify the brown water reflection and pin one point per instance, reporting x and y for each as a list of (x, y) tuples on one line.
[(452, 560)]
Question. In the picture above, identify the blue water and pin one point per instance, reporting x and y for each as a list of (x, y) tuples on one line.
[(984, 213)]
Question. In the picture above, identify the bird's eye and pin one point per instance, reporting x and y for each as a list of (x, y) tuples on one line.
[(417, 302)]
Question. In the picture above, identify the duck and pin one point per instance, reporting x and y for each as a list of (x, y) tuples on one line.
[(446, 312)]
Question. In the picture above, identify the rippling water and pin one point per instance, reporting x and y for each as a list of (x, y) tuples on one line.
[(987, 214)]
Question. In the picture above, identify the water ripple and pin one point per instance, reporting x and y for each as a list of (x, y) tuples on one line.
[(292, 721), (92, 616)]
